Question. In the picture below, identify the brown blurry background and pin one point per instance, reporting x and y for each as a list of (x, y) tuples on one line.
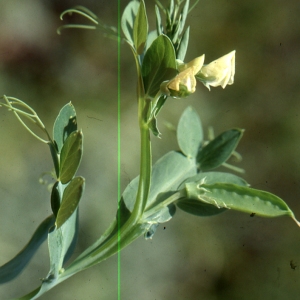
[(229, 256)]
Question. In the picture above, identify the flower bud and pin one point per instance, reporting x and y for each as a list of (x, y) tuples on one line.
[(184, 83), (220, 72)]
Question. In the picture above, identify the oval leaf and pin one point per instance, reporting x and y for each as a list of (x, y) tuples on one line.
[(55, 199), (219, 149), (127, 21), (184, 41), (140, 29), (70, 200), (64, 125), (70, 157), (189, 132), (159, 64)]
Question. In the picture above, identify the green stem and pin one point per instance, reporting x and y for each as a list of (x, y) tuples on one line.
[(132, 229), (129, 232), (145, 161)]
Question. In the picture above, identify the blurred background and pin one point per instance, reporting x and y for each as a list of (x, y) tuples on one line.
[(228, 256)]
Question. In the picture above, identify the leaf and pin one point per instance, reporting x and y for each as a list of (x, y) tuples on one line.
[(63, 238), (241, 198), (140, 29), (189, 132), (128, 18), (159, 64), (199, 208), (61, 243), (167, 173), (70, 157), (219, 150), (153, 119), (55, 199), (71, 197), (56, 253), (184, 42), (64, 125), (15, 266), (184, 14), (159, 27)]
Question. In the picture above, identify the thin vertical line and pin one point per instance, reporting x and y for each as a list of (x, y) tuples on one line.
[(119, 146)]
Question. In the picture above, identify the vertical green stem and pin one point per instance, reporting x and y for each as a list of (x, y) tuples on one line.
[(130, 230), (145, 159)]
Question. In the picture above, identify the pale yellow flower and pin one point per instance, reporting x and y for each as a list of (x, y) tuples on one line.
[(184, 83), (220, 72)]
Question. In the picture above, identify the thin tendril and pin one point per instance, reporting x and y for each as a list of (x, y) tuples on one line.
[(75, 26), (76, 11), (110, 32), (86, 10), (32, 117)]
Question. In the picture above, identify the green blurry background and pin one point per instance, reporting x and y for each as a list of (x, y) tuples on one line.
[(229, 256)]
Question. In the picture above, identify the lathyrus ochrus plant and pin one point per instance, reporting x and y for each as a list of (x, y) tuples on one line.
[(183, 178)]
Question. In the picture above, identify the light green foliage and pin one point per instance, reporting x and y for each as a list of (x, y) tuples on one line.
[(159, 65), (128, 20), (71, 196), (219, 149), (189, 133), (181, 178), (70, 156), (140, 29), (64, 125)]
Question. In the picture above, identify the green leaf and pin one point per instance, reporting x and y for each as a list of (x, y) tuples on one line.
[(140, 29), (199, 208), (128, 18), (159, 27), (189, 132), (71, 197), (61, 243), (183, 45), (153, 119), (184, 14), (14, 267), (56, 253), (55, 199), (241, 198), (70, 157), (219, 150), (64, 125), (159, 64), (167, 173)]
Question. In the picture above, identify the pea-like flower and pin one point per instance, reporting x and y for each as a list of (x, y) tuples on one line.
[(184, 83), (220, 72)]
